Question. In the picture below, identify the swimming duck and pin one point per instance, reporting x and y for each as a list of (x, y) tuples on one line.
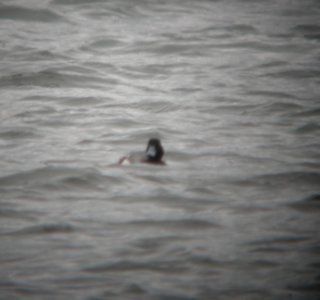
[(153, 154)]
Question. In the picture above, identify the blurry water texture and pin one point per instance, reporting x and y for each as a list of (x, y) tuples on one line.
[(231, 88)]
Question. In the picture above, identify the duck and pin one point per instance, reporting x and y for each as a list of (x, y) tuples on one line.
[(153, 154)]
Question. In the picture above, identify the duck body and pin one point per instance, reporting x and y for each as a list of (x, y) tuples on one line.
[(153, 155)]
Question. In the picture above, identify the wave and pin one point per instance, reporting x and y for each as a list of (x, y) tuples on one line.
[(295, 74), (309, 113), (184, 224), (310, 288), (161, 266), (273, 107), (273, 94), (102, 44), (28, 15), (285, 179), (309, 31), (280, 241), (309, 203), (107, 9), (238, 29), (255, 45), (308, 128), (189, 47), (51, 78), (59, 177), (315, 198), (13, 287), (45, 229), (10, 213), (18, 133), (76, 2)]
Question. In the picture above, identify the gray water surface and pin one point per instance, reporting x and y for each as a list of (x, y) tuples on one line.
[(232, 90)]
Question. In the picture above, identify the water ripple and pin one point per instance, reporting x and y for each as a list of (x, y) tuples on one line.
[(24, 14)]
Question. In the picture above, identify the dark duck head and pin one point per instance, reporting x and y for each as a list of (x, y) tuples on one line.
[(154, 152)]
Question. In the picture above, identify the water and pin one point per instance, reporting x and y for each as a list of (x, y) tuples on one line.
[(232, 90)]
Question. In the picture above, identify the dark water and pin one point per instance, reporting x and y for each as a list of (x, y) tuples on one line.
[(231, 88)]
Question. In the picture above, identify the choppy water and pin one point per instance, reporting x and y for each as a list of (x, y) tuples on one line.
[(232, 89)]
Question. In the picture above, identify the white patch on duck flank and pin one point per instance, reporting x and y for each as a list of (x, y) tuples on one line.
[(152, 151)]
